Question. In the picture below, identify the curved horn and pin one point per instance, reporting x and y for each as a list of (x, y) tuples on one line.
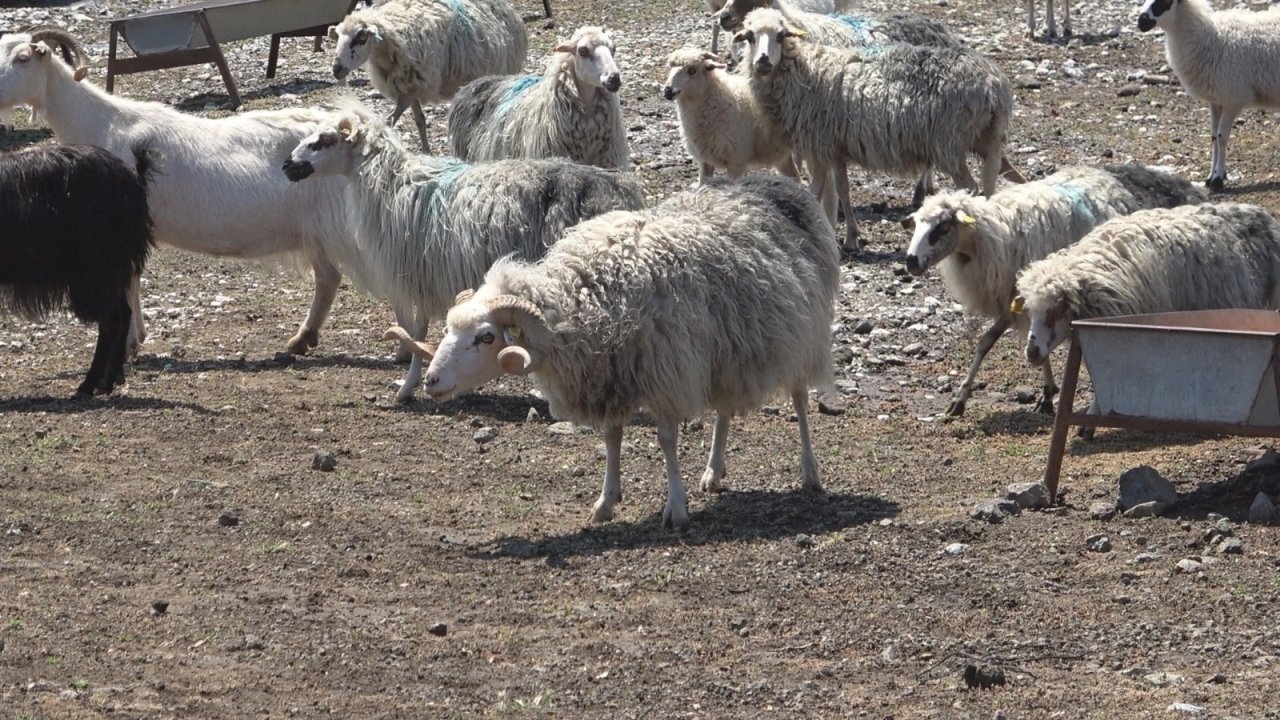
[(421, 349), (62, 40), (463, 296), (510, 310)]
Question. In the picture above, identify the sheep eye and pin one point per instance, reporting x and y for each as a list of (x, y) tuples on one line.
[(750, 36), (23, 57), (486, 338), (692, 71), (584, 51)]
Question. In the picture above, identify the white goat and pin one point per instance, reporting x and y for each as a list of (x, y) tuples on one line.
[(980, 244), (217, 187), (720, 296), (571, 111), (423, 52), (722, 122), (1229, 59), (1051, 28), (432, 226), (1212, 256)]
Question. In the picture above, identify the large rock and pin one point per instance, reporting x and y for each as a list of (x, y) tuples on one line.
[(1029, 495), (1262, 510), (1143, 485), (994, 510)]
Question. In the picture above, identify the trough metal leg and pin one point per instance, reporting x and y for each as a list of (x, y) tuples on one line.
[(273, 56), (220, 60), (546, 5), (1062, 421), (111, 60)]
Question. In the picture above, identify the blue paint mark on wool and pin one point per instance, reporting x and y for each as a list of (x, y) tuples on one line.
[(451, 169), (517, 88), (460, 9), (1080, 202), (861, 26)]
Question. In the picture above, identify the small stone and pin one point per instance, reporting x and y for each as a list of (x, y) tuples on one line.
[(439, 629), (1098, 544), (1156, 79), (1143, 510), (913, 349), (228, 520), (353, 573), (1230, 546), (253, 642), (1216, 679), (1102, 510), (1146, 557), (324, 462), (1143, 484), (995, 510), (1029, 495), (485, 434), (532, 416), (955, 549), (1129, 90), (832, 404), (805, 541), (1262, 510), (1190, 566), (983, 677), (1026, 82), (1187, 708), (1024, 395), (863, 328), (563, 427), (159, 607)]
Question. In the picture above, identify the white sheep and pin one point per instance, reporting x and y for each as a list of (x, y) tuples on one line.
[(719, 297), (848, 30), (571, 111), (217, 188), (980, 244), (906, 110), (715, 7), (423, 52), (431, 226), (1051, 28), (1229, 59), (721, 120), (1195, 257)]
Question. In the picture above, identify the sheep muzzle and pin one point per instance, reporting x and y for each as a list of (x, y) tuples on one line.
[(296, 171)]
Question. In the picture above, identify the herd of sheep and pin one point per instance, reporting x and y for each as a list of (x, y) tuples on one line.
[(532, 240)]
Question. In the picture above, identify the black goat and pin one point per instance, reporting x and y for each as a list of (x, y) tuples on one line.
[(74, 231)]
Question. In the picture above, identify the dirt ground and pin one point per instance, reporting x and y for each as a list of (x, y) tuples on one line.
[(170, 552)]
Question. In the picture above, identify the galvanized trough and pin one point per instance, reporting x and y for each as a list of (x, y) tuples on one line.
[(1211, 372)]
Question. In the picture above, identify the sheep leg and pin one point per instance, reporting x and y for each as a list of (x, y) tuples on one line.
[(808, 461), (964, 180), (137, 324), (611, 494), (924, 187), (327, 280), (420, 120), (1050, 28), (675, 513), (107, 367), (1050, 389), (992, 164), (705, 172), (402, 104), (117, 354), (715, 39), (1066, 18), (715, 471), (1086, 432), (1031, 18), (1221, 134), (822, 188), (851, 239), (413, 378), (787, 167), (405, 318), (985, 343)]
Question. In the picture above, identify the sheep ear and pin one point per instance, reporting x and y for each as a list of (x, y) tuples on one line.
[(712, 64), (39, 49), (566, 46), (515, 360), (333, 33), (375, 32), (909, 223), (1018, 306), (740, 37), (350, 129), (965, 217), (80, 73)]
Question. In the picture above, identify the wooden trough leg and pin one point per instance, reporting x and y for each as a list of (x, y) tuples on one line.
[(273, 56), (111, 59), (220, 60), (1061, 421)]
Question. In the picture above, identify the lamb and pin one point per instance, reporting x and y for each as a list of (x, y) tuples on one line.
[(425, 51), (718, 297), (980, 243), (76, 231), (721, 120), (1229, 59), (571, 111), (217, 188), (845, 31), (1051, 28), (906, 111), (1195, 257), (432, 226)]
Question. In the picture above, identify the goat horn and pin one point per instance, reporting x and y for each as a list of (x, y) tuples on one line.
[(511, 307), (421, 349), (70, 47), (508, 310), (463, 296)]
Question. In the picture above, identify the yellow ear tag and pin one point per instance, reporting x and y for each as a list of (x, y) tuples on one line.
[(968, 219), (511, 334), (1017, 306), (799, 34)]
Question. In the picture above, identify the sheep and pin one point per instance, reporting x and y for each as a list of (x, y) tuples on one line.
[(980, 244), (76, 231), (721, 120), (571, 111), (826, 7), (718, 297), (1051, 28), (217, 188), (1229, 59), (425, 51), (1195, 257), (432, 226), (906, 111), (845, 31)]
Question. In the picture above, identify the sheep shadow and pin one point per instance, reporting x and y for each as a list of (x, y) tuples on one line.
[(735, 516), (64, 405), (1073, 39), (296, 86), (158, 363), (507, 408), (1015, 422), (1230, 497), (1119, 440), (1257, 187), (15, 139)]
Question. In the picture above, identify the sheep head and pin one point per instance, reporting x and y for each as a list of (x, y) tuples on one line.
[(26, 59), (356, 38), (764, 31), (1156, 12), (331, 150), (945, 224), (593, 63), (689, 68), (485, 337), (734, 11), (1049, 312)]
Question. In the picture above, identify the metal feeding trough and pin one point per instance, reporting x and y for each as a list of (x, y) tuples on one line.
[(1211, 372)]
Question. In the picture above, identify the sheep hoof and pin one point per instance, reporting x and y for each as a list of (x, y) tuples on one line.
[(711, 482), (956, 409), (1045, 406), (1215, 182), (302, 342), (676, 522), (1086, 433), (601, 513), (405, 395)]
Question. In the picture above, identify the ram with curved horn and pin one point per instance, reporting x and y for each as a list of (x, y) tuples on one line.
[(719, 297)]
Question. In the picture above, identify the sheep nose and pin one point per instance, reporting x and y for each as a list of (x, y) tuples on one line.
[(1146, 22), (763, 66), (432, 380), (613, 82), (339, 71), (913, 265), (727, 21), (669, 92), (296, 171), (1033, 353)]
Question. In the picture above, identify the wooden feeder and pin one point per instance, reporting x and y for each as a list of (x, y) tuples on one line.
[(1211, 372)]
